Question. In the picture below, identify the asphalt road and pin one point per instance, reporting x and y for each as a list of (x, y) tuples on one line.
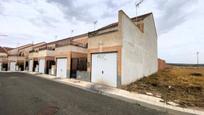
[(24, 94)]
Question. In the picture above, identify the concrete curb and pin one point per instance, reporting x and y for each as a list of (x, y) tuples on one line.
[(144, 100)]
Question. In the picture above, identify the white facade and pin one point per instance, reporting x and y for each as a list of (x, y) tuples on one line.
[(139, 50), (134, 40), (104, 69), (61, 67)]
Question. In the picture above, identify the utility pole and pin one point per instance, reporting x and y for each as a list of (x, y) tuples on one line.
[(197, 54)]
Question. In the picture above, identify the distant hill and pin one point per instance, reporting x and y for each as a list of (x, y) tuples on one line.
[(188, 65)]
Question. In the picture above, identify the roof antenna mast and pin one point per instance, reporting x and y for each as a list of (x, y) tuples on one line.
[(137, 4), (72, 31), (95, 22)]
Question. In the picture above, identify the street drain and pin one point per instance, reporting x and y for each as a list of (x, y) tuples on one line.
[(48, 110)]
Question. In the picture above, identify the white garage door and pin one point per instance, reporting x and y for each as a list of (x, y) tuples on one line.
[(62, 68), (30, 65), (13, 66), (42, 66), (104, 69)]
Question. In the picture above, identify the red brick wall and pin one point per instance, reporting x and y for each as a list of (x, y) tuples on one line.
[(161, 64)]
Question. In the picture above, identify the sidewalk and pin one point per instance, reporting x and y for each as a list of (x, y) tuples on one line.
[(144, 100)]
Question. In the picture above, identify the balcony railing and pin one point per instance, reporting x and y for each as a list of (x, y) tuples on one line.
[(32, 51), (69, 42), (60, 44)]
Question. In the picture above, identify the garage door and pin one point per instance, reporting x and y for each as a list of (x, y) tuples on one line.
[(104, 69), (62, 68), (30, 65), (42, 66), (13, 66)]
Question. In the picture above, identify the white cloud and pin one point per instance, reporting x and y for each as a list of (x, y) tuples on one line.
[(179, 23), (180, 44)]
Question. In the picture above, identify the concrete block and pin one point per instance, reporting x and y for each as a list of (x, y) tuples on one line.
[(83, 75)]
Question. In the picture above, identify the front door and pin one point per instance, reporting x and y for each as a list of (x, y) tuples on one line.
[(61, 67)]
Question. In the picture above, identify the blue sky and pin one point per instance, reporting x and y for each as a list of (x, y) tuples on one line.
[(179, 23)]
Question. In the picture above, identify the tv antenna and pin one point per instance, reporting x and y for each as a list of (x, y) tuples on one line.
[(95, 22), (72, 31), (137, 4)]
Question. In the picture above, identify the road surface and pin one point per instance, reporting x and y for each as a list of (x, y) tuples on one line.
[(25, 94)]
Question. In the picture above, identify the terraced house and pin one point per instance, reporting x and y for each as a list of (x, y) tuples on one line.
[(17, 57), (123, 52), (61, 58), (4, 58), (114, 55)]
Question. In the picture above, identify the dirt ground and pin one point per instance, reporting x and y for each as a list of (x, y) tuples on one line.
[(181, 85)]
